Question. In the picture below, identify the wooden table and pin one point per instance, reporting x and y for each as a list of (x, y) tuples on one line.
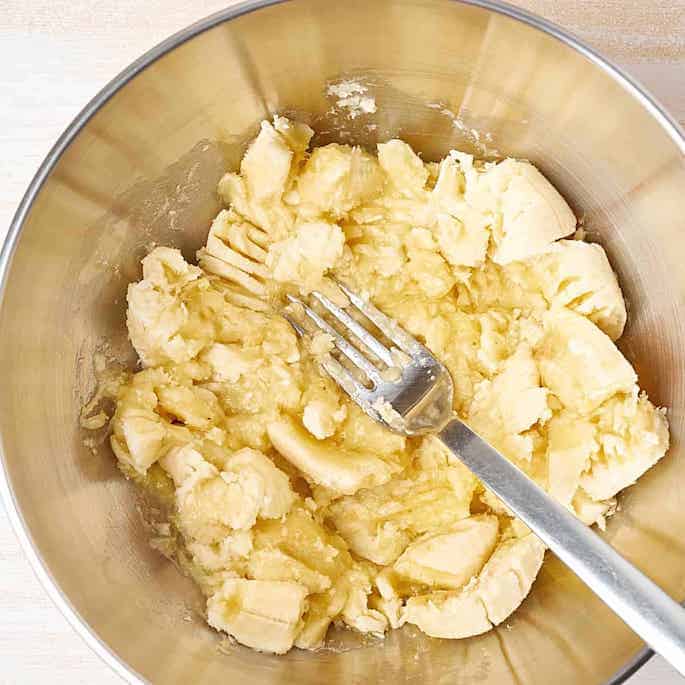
[(55, 55)]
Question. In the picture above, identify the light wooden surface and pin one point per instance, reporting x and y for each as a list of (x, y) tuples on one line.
[(55, 55)]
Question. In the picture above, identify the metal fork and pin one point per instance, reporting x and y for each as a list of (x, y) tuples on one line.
[(419, 401)]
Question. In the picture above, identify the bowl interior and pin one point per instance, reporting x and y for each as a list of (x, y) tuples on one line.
[(143, 171)]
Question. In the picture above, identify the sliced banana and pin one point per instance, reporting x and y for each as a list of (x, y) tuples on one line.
[(273, 564), (577, 275), (340, 470), (633, 437), (211, 503), (449, 560), (139, 434), (571, 442), (379, 523), (304, 258), (532, 212), (356, 612), (579, 363), (403, 166), (156, 316), (500, 587), (264, 615), (336, 179)]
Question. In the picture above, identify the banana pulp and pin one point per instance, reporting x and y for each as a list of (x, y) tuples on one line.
[(292, 508)]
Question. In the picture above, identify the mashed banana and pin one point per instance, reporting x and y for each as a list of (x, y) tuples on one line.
[(293, 509)]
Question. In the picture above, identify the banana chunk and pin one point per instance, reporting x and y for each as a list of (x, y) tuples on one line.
[(633, 436), (139, 434), (156, 316), (449, 560), (500, 587), (304, 257), (578, 275), (264, 615), (211, 503), (533, 213), (337, 178), (379, 523), (579, 363), (336, 468), (571, 442), (403, 166)]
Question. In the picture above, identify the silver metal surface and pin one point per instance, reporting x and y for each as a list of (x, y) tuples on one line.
[(414, 398), (139, 166), (644, 606), (420, 401)]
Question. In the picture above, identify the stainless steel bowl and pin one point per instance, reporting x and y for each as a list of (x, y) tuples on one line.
[(139, 165)]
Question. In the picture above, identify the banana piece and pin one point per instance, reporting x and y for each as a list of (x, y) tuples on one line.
[(139, 434), (305, 257), (230, 361), (403, 166), (211, 502), (235, 252), (577, 275), (264, 615), (449, 560), (196, 407), (273, 564), (513, 401), (531, 211), (156, 315), (500, 587), (579, 363), (340, 470), (266, 165), (336, 179), (571, 442), (356, 612), (379, 523), (633, 436), (322, 416)]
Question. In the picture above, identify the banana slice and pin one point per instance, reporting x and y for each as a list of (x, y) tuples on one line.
[(139, 434), (273, 564), (633, 435), (571, 442), (264, 615), (266, 165), (579, 363), (449, 560), (235, 252), (230, 361), (379, 523), (195, 407), (403, 166), (321, 610), (533, 214), (336, 179), (356, 612), (304, 257), (577, 275), (156, 316), (500, 587), (211, 502), (513, 401), (340, 470)]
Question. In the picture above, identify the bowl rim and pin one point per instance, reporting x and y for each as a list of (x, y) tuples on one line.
[(7, 496)]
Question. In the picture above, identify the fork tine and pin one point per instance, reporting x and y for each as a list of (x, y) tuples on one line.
[(387, 326), (349, 384), (349, 350), (298, 329), (375, 345)]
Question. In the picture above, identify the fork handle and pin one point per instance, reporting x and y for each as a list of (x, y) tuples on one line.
[(641, 604)]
